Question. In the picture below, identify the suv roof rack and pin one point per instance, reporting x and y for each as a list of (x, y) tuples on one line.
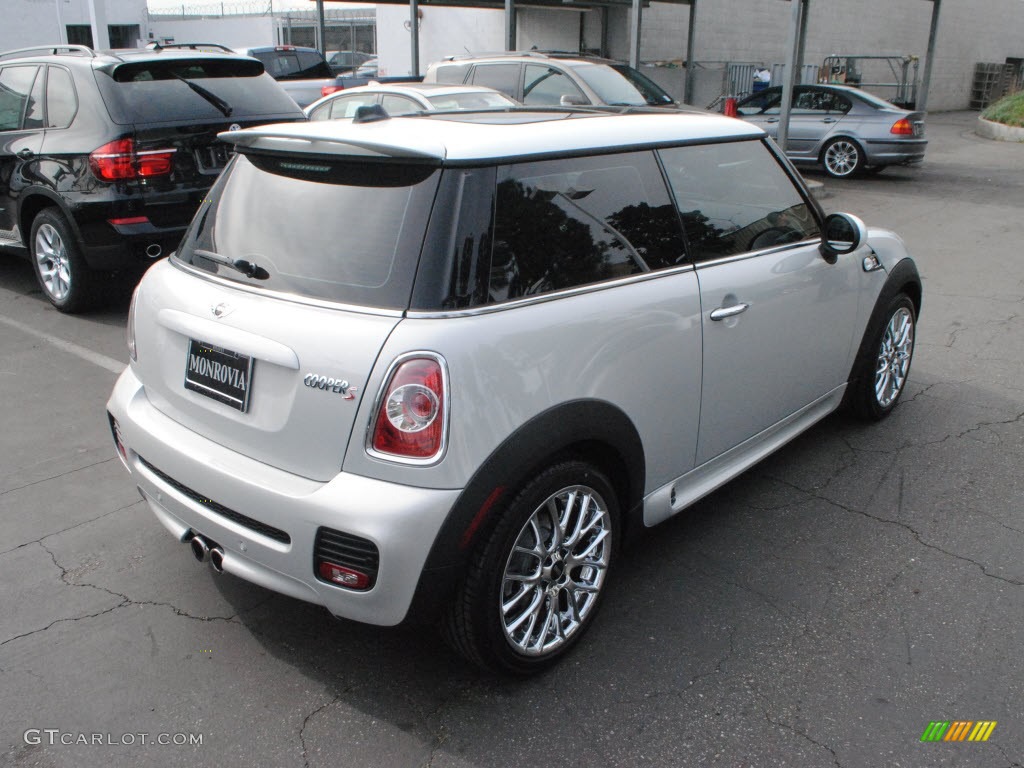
[(156, 46), (54, 50), (536, 54)]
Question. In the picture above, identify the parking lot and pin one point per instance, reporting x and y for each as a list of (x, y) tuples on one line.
[(821, 610)]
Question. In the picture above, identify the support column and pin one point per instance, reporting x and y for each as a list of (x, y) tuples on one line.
[(926, 81), (321, 27), (414, 36), (510, 25), (691, 41), (789, 78), (801, 48), (98, 21), (634, 37)]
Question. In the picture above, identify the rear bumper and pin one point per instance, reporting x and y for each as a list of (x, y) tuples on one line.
[(401, 521), (895, 152)]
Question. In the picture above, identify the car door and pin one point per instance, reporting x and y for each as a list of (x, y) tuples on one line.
[(21, 139), (777, 317), (816, 114)]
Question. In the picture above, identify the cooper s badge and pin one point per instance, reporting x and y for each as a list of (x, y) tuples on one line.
[(338, 386)]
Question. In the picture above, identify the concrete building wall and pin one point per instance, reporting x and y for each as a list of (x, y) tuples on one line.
[(43, 22)]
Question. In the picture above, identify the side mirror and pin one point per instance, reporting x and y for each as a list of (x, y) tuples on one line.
[(843, 233), (573, 100)]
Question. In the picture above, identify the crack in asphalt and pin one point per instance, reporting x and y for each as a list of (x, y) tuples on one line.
[(54, 477), (835, 758), (906, 526), (124, 601), (1012, 763), (310, 716), (718, 666), (69, 528)]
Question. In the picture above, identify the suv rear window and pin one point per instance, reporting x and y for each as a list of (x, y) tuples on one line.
[(151, 91), (338, 230)]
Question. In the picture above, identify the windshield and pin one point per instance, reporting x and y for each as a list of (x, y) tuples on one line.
[(339, 230), (621, 85)]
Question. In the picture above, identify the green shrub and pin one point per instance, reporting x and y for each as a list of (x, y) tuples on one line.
[(1008, 110)]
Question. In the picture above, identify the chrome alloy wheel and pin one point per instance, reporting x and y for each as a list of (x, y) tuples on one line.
[(555, 570), (842, 157), (894, 357), (53, 262)]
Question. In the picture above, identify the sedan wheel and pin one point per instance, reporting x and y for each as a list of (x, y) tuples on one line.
[(842, 158)]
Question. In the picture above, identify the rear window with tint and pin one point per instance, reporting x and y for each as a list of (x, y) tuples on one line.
[(343, 231), (159, 91)]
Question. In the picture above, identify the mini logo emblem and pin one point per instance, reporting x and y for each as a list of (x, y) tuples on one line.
[(338, 386), (222, 310), (234, 127)]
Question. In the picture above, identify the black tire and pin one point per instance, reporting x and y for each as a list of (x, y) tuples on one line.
[(842, 158), (66, 280), (478, 628), (874, 390)]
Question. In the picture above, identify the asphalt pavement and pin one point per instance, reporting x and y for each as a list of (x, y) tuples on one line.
[(820, 610)]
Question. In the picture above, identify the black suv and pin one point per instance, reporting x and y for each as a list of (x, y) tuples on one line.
[(105, 157)]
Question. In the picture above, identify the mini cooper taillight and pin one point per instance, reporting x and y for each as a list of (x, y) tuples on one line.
[(129, 331), (411, 413)]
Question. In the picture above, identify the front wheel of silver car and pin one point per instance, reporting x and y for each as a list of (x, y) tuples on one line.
[(532, 589), (883, 367), (842, 158)]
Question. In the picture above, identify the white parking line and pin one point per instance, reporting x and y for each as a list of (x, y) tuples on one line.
[(112, 365)]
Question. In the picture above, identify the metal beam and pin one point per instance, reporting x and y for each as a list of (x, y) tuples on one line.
[(691, 40), (801, 47), (789, 77), (321, 26), (926, 81), (634, 36), (414, 36)]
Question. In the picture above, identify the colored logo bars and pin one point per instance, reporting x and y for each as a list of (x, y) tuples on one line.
[(958, 730)]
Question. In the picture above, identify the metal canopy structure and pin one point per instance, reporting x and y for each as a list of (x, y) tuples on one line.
[(795, 46)]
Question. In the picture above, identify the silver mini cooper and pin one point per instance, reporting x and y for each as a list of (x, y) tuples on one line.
[(442, 366)]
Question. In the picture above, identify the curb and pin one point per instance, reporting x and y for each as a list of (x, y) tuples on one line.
[(997, 131), (817, 189)]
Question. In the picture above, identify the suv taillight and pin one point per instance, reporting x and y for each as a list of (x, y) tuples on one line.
[(411, 414), (119, 160), (327, 90), (902, 127)]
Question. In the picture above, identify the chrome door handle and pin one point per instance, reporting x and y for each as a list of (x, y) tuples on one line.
[(723, 312), (26, 154)]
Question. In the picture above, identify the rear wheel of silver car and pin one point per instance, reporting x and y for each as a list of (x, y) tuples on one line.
[(67, 281), (532, 589), (882, 371), (842, 158)]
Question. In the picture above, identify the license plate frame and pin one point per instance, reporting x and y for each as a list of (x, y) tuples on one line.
[(220, 374)]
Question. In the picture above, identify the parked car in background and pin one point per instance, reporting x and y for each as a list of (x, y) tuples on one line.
[(536, 78), (344, 62), (302, 72), (104, 157), (406, 99), (487, 347), (846, 130)]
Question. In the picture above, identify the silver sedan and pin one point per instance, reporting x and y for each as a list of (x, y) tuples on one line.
[(407, 98), (845, 129)]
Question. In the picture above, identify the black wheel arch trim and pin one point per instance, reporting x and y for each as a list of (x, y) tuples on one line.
[(29, 208), (592, 430), (903, 278)]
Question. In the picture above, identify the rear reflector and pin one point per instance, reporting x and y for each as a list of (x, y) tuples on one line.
[(129, 220), (346, 577)]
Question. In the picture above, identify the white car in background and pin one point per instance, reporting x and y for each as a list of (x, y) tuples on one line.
[(407, 98)]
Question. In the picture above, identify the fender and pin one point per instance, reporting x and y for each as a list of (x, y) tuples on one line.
[(32, 201), (594, 430), (903, 278)]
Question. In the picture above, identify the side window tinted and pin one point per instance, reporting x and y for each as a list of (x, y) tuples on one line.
[(734, 198), (15, 89), (34, 109), (546, 86), (61, 101), (763, 102), (565, 223), (500, 77), (450, 73), (399, 105)]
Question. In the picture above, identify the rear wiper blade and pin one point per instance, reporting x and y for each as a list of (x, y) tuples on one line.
[(213, 98), (247, 268)]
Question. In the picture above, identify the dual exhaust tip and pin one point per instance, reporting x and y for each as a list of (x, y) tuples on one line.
[(205, 550)]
